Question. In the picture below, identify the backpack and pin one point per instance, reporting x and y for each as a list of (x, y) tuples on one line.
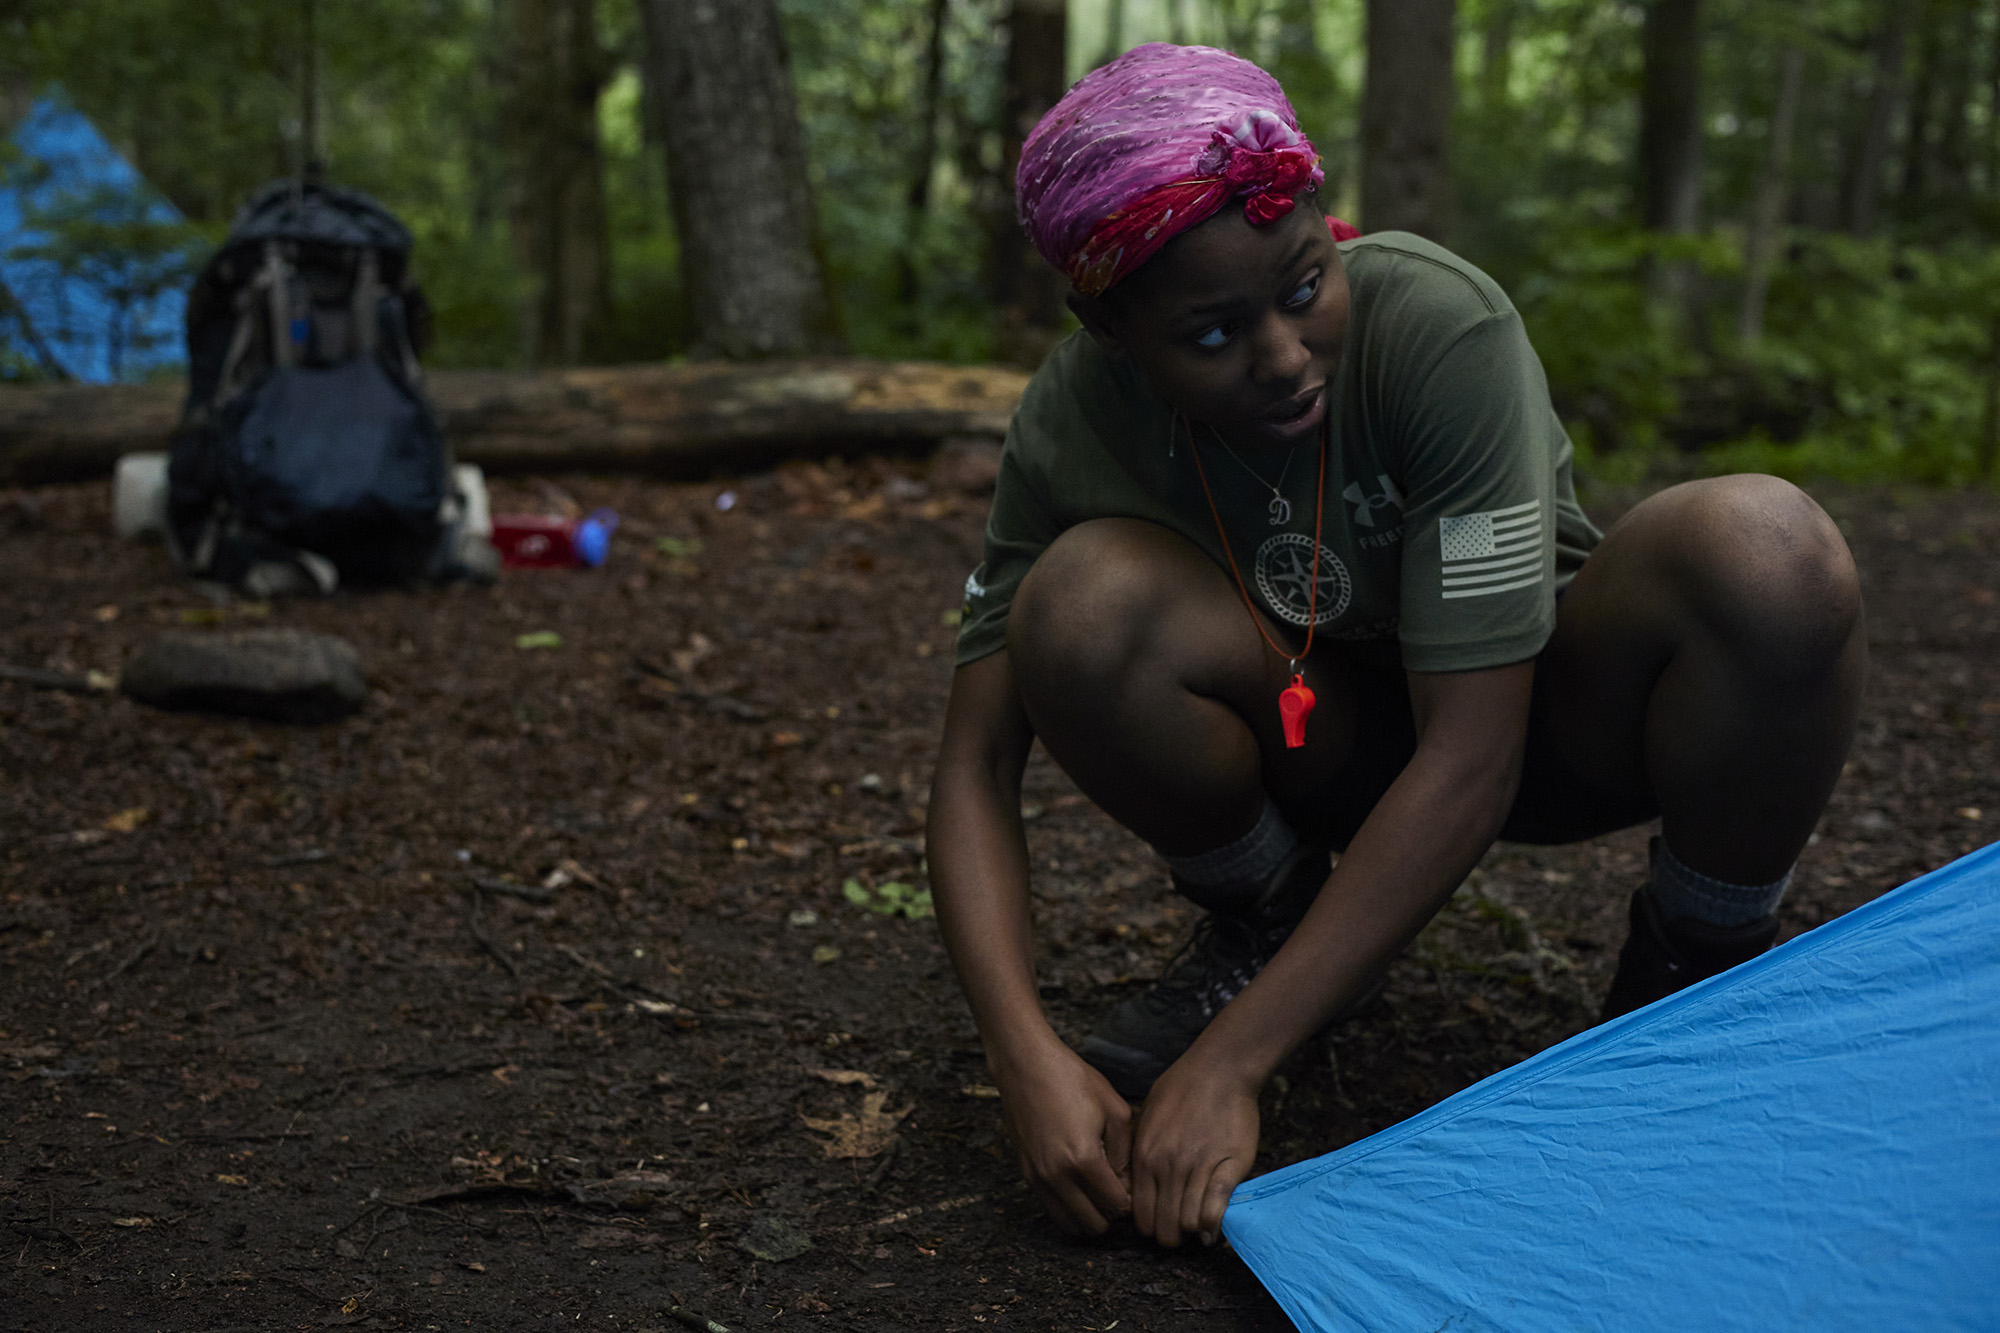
[(307, 451)]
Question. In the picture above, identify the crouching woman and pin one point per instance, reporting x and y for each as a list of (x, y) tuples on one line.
[(1286, 560)]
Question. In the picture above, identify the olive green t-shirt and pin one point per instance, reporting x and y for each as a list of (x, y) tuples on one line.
[(1450, 516)]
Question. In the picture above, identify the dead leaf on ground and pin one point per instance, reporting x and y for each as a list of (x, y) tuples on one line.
[(868, 1134), (125, 821), (699, 648), (845, 1077)]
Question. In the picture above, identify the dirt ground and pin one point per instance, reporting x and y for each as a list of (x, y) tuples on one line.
[(270, 1057)]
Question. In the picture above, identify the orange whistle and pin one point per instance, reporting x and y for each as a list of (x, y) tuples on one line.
[(1295, 705)]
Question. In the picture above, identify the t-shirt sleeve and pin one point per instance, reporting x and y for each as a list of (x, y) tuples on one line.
[(1019, 527), (1479, 559)]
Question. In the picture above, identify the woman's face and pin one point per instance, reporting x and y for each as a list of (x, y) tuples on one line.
[(1239, 327)]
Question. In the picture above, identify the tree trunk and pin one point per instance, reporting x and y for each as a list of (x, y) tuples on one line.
[(1871, 154), (1407, 99), (751, 261), (1923, 99), (1993, 106), (1670, 138), (1762, 245), (1496, 56), (686, 420), (1311, 82), (1954, 110), (1114, 31), (1028, 293), (917, 200), (553, 71)]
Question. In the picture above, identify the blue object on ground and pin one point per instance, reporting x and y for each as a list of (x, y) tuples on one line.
[(96, 261), (593, 536), (1810, 1141)]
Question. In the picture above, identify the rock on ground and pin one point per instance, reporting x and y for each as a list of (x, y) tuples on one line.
[(285, 675)]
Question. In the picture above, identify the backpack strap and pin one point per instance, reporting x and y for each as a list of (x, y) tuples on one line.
[(276, 280), (366, 302)]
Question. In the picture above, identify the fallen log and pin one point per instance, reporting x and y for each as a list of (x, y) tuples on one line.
[(669, 420)]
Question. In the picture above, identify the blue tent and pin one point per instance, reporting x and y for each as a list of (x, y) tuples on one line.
[(1811, 1141), (93, 261)]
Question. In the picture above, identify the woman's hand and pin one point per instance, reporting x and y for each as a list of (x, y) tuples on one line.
[(1073, 1135), (1197, 1140)]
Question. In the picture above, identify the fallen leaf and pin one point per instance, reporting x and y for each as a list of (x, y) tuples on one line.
[(846, 1077), (865, 510), (567, 870), (125, 821), (825, 953), (227, 1179), (868, 1134), (131, 1221), (699, 648), (542, 638), (104, 615), (983, 1090)]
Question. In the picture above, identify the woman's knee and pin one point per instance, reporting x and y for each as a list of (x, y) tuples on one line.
[(1094, 600), (1760, 564)]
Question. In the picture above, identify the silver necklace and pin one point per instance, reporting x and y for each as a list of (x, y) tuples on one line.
[(1280, 509)]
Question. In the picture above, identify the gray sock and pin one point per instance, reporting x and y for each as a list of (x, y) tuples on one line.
[(1240, 868), (1681, 891)]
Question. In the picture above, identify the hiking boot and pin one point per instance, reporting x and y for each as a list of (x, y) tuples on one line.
[(1662, 956), (1141, 1036)]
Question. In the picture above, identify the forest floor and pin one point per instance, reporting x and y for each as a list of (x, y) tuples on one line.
[(271, 1058)]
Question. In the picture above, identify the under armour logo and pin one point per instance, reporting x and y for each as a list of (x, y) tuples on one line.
[(1365, 504)]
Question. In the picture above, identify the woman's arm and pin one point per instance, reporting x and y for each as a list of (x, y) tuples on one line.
[(1068, 1125), (1198, 1131)]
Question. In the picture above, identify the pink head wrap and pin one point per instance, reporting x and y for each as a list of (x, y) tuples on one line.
[(1150, 145)]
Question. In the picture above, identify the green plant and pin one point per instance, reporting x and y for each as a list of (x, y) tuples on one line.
[(893, 898)]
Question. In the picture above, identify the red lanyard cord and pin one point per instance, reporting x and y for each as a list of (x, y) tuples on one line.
[(1319, 516)]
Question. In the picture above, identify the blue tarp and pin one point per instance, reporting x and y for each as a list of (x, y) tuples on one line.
[(1811, 1141), (98, 317)]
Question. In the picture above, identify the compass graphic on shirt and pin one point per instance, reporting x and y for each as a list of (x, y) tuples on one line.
[(1284, 576)]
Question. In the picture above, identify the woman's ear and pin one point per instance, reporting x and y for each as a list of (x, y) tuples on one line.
[(1099, 320)]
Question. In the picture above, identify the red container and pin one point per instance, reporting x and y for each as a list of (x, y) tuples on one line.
[(535, 541)]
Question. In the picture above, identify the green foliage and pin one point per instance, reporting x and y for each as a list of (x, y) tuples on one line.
[(1893, 353), (891, 899), (1878, 358), (908, 284), (1612, 356)]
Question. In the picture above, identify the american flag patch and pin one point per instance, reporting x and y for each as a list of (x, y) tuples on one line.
[(1497, 551)]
